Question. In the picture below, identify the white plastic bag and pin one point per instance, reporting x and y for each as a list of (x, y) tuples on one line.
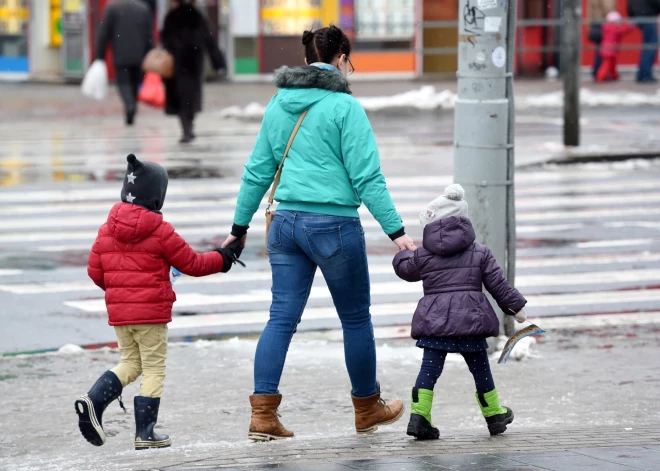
[(95, 83)]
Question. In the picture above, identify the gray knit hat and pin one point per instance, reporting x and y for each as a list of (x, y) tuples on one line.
[(451, 203)]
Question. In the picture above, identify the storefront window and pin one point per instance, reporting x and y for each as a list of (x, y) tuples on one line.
[(14, 18), (385, 20), (290, 17)]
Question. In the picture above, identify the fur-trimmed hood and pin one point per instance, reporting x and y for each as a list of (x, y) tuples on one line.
[(302, 87), (311, 77)]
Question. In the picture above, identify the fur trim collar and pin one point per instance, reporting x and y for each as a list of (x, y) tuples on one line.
[(311, 77)]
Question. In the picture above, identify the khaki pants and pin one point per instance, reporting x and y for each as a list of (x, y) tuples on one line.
[(143, 352)]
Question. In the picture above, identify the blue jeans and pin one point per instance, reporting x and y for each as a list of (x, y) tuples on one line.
[(298, 243), (648, 56)]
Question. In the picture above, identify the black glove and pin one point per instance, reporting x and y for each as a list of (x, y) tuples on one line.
[(230, 255), (236, 247)]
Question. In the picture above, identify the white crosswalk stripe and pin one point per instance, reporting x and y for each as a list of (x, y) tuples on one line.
[(589, 243)]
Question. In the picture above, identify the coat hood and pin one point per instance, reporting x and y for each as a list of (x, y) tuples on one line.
[(301, 87), (449, 236), (131, 224)]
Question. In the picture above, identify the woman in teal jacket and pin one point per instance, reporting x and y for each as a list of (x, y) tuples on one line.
[(332, 168)]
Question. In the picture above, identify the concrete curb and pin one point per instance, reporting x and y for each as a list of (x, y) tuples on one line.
[(585, 158)]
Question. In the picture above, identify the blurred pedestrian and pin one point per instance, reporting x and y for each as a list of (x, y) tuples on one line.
[(332, 167), (598, 10), (454, 316), (128, 25), (186, 35), (614, 31), (647, 12), (130, 260)]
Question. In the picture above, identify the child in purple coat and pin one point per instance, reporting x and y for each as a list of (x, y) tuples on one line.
[(454, 316)]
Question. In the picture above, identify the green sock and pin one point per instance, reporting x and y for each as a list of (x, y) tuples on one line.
[(421, 403), (490, 403)]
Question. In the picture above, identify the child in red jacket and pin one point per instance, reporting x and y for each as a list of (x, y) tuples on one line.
[(130, 260), (614, 30)]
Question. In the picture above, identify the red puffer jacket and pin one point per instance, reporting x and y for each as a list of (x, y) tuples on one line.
[(131, 260)]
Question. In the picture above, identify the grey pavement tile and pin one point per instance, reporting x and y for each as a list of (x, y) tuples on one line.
[(638, 457), (283, 467), (477, 462), (563, 461), (392, 464)]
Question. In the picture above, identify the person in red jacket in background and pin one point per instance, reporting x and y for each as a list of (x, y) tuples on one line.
[(614, 30), (131, 260)]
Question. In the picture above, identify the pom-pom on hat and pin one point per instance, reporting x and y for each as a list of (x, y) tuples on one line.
[(451, 203), (614, 17)]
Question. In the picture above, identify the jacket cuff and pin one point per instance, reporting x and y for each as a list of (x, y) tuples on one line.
[(516, 308), (400, 233), (239, 231)]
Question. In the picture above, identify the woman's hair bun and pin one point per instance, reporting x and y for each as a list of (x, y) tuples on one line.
[(335, 34), (307, 37)]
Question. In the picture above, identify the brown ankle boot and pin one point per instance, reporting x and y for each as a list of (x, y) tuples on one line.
[(265, 424), (372, 411)]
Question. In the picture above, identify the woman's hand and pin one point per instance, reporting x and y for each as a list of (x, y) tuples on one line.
[(230, 238), (405, 243)]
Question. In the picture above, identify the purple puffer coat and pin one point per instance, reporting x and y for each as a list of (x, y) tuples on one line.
[(453, 268)]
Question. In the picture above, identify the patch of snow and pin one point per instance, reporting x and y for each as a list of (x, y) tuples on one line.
[(70, 348), (425, 98), (429, 98), (522, 350)]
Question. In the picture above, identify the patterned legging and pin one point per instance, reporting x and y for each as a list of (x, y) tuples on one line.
[(434, 361)]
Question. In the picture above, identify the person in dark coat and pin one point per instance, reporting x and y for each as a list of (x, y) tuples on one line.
[(186, 35), (128, 25), (642, 9), (454, 316)]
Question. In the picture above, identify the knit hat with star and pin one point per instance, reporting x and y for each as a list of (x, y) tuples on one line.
[(145, 184), (451, 203)]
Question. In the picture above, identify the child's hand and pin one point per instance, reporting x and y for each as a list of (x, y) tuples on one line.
[(236, 247), (229, 258), (521, 316)]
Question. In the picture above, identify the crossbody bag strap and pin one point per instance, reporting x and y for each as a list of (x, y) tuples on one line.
[(286, 152)]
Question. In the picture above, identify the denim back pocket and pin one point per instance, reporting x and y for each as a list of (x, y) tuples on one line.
[(324, 242), (275, 232)]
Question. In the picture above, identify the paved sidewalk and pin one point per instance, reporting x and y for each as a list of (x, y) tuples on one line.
[(603, 449), (594, 387)]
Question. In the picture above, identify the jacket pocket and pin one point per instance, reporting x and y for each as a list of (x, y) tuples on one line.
[(325, 242)]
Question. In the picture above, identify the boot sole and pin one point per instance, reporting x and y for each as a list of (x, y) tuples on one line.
[(373, 428), (264, 437), (500, 427), (145, 445), (88, 423)]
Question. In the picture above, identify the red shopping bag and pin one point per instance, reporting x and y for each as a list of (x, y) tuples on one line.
[(152, 92)]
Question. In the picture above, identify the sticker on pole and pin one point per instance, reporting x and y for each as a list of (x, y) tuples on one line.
[(486, 4), (492, 24), (499, 57)]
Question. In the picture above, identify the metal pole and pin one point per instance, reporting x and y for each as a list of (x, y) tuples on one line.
[(571, 50), (510, 270), (483, 135)]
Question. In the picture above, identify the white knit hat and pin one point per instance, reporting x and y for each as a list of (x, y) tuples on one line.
[(451, 203)]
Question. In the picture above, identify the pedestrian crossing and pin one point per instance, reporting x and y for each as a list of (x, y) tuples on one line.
[(588, 243)]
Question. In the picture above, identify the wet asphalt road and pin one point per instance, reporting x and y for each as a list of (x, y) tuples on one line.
[(588, 236)]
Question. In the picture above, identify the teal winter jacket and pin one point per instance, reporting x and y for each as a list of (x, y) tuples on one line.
[(333, 165)]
